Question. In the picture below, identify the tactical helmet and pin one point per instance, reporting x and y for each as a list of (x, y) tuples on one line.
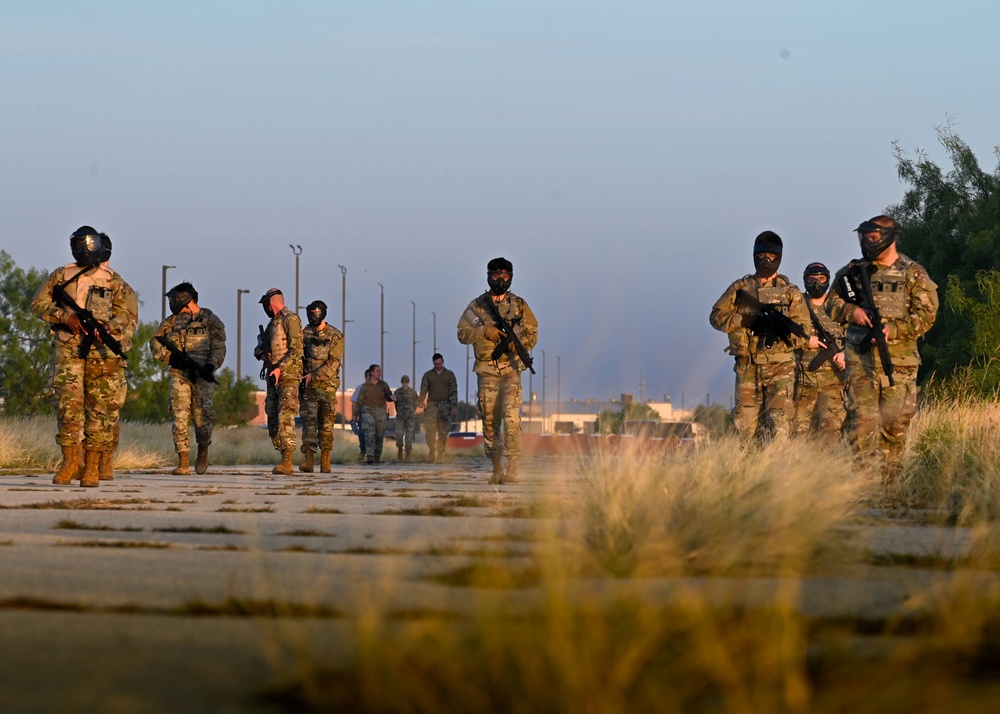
[(179, 296), (887, 236), (767, 242), (89, 247), (815, 287), (316, 312), (265, 300), (499, 285)]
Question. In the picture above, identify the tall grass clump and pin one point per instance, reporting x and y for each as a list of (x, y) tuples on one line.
[(727, 509), (953, 460)]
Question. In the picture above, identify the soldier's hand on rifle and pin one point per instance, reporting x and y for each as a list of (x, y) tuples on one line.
[(73, 323), (308, 378), (840, 361), (276, 374), (861, 317), (815, 343), (492, 333)]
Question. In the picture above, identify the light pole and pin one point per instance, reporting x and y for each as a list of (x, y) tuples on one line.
[(239, 331), (543, 391), (559, 385), (414, 374), (163, 295), (435, 315), (343, 332), (383, 333), (466, 386), (297, 251)]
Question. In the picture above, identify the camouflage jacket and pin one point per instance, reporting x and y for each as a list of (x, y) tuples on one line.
[(322, 353), (406, 401), (804, 356), (202, 336), (781, 294), (100, 290), (476, 317), (436, 387), (283, 338), (907, 300)]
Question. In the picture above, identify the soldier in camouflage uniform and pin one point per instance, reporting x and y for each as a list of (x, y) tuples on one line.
[(280, 349), (499, 392), (819, 388), (323, 351), (370, 412), (89, 378), (199, 333), (878, 414), (439, 398), (406, 417), (765, 368)]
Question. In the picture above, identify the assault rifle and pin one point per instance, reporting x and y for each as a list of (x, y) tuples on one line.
[(179, 359), (857, 286), (261, 353), (826, 338), (765, 321), (509, 339), (93, 328)]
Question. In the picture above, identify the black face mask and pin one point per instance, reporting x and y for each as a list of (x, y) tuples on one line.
[(316, 317), (177, 302), (268, 311), (498, 286), (815, 288), (766, 267)]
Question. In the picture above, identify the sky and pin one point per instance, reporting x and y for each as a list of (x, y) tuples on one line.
[(622, 155)]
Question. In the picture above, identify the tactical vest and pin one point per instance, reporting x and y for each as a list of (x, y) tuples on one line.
[(92, 290), (279, 336), (192, 335), (889, 292), (316, 348), (779, 295)]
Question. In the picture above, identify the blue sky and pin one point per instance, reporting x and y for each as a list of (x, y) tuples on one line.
[(622, 155)]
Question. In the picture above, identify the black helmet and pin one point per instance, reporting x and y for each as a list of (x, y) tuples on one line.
[(500, 284), (887, 236), (179, 296), (815, 287), (316, 312), (89, 247)]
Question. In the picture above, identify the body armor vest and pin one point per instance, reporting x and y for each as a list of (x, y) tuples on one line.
[(316, 348), (278, 336), (191, 335)]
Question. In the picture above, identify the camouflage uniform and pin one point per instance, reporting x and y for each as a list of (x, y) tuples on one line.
[(406, 417), (765, 376), (878, 414), (441, 393), (91, 390), (819, 395), (372, 400), (323, 351), (499, 391), (283, 343), (203, 337)]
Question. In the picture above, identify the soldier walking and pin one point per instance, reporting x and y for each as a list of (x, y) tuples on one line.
[(764, 352), (879, 413), (92, 314), (370, 411), (280, 349), (499, 374), (323, 351), (439, 398), (406, 417)]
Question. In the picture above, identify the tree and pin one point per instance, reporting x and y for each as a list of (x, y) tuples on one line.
[(234, 398), (714, 417), (610, 421), (950, 223), (148, 386), (25, 344)]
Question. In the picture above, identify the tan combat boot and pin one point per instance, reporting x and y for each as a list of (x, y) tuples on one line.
[(91, 477), (79, 457), (183, 464), (70, 468), (201, 463), (511, 475), (285, 468), (324, 462), (497, 475), (308, 460), (106, 466)]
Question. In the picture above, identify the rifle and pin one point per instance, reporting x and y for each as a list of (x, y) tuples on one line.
[(860, 294), (186, 363), (93, 327), (261, 353), (509, 339), (826, 338), (765, 321)]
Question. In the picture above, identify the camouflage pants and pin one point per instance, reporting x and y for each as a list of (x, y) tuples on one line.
[(318, 411), (191, 402), (437, 419), (90, 393), (281, 405), (878, 415), (373, 422), (405, 429), (500, 406), (765, 407), (819, 405)]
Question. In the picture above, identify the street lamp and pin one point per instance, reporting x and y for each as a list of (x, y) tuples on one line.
[(297, 251), (435, 331), (414, 373), (381, 353), (239, 331), (163, 295), (543, 391), (558, 385), (343, 332)]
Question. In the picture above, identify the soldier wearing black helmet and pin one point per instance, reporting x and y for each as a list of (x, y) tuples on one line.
[(879, 413), (322, 353), (765, 367), (280, 349), (89, 378)]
